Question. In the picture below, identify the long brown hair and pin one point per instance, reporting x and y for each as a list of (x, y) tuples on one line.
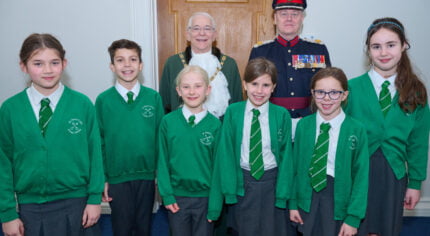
[(412, 91), (34, 42)]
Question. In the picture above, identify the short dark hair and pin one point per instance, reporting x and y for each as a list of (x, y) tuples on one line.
[(258, 67), (124, 43)]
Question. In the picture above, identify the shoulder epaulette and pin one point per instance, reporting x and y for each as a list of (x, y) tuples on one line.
[(259, 43), (313, 40)]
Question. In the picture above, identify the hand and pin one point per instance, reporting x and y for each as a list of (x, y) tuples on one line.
[(295, 216), (412, 197), (173, 207), (91, 215), (210, 221), (13, 228), (346, 230), (105, 196)]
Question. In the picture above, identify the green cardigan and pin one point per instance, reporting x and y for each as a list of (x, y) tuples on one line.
[(66, 163), (351, 169), (171, 100), (186, 158), (229, 151), (403, 137), (129, 134)]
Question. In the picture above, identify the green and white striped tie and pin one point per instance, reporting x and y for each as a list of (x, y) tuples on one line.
[(45, 114), (256, 147), (385, 98), (318, 169)]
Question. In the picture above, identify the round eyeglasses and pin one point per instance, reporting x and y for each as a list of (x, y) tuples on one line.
[(333, 95), (198, 29)]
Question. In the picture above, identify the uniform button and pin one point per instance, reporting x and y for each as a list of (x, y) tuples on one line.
[(293, 109), (313, 70), (289, 63), (289, 50), (292, 93), (291, 79)]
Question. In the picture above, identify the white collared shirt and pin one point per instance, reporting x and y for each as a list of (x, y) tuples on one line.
[(35, 97), (334, 131), (268, 157), (378, 80), (123, 91), (199, 116)]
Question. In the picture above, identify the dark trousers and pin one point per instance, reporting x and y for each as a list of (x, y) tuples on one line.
[(320, 220), (131, 206), (62, 217), (191, 219), (384, 215), (255, 213)]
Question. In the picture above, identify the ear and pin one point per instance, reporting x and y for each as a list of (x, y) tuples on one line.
[(112, 67), (141, 66), (188, 34), (178, 91), (64, 63), (208, 90), (23, 67), (244, 85), (345, 95), (273, 89)]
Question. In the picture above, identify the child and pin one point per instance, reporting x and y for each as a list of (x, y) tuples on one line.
[(129, 115), (251, 148), (53, 157), (397, 121), (187, 140), (332, 162)]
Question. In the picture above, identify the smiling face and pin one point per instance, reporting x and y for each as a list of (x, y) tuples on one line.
[(385, 51), (329, 108), (44, 68), (126, 65), (193, 89), (201, 34), (289, 22), (259, 90)]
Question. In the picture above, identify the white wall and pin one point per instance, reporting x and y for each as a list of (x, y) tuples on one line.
[(87, 27)]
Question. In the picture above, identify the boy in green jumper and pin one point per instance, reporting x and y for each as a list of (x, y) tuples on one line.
[(53, 162), (129, 115), (187, 140)]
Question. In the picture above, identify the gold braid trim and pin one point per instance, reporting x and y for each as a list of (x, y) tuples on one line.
[(218, 69)]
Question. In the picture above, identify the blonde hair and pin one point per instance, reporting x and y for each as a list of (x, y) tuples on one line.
[(194, 69)]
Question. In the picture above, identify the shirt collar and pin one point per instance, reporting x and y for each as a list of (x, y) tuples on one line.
[(199, 116), (263, 108), (286, 43), (123, 91), (54, 97), (335, 123), (378, 79)]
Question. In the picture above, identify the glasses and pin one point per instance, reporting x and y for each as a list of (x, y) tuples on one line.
[(333, 95), (198, 29)]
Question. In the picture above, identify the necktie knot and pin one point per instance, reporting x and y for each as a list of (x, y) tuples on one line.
[(385, 84), (255, 112), (191, 120), (45, 102), (325, 127), (130, 95)]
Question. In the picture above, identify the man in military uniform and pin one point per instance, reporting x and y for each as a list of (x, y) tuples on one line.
[(296, 59)]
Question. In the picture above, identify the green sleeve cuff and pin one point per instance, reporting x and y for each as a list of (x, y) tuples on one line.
[(281, 203), (94, 199), (352, 221), (168, 200), (8, 215), (292, 205), (414, 184), (213, 215), (231, 199)]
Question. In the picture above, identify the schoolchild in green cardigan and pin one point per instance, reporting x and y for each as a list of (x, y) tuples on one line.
[(248, 168), (129, 115), (51, 140), (331, 174), (392, 103), (187, 142)]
